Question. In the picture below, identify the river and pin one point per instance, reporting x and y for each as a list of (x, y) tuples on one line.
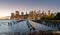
[(12, 27)]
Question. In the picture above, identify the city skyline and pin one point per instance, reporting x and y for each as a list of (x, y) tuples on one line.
[(8, 6)]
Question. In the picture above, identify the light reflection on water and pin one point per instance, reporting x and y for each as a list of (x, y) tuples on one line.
[(12, 27), (8, 27)]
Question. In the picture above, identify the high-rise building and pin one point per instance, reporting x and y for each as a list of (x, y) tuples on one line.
[(22, 13), (17, 13), (12, 16), (38, 11), (48, 12)]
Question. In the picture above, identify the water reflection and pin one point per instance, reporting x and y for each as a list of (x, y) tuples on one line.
[(23, 27)]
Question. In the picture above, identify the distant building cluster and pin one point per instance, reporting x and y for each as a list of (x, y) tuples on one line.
[(33, 15)]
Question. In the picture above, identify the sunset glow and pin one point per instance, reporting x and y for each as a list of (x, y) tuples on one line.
[(8, 6)]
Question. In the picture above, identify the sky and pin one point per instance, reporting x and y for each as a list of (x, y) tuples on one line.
[(8, 6)]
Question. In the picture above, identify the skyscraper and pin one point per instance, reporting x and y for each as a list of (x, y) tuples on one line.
[(12, 16), (48, 12), (17, 13)]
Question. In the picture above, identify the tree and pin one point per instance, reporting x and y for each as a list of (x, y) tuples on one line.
[(48, 17), (57, 16)]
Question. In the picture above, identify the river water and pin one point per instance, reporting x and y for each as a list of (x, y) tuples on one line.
[(13, 27), (9, 27)]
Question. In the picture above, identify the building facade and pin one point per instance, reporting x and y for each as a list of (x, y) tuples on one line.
[(33, 15)]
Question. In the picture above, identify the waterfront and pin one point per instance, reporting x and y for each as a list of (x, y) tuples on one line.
[(23, 27)]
